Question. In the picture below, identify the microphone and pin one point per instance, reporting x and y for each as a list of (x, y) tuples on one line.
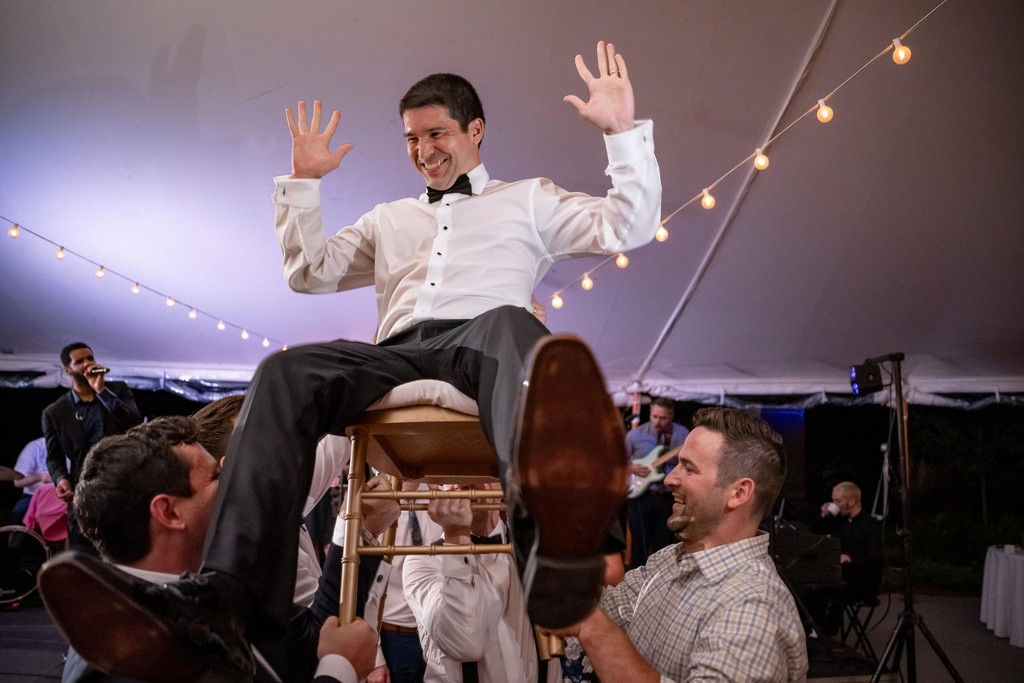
[(97, 371)]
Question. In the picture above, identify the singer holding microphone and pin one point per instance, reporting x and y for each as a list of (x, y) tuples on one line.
[(72, 424)]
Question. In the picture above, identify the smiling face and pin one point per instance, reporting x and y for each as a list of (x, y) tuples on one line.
[(700, 504), (438, 147)]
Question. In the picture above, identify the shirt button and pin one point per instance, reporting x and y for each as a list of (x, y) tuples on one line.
[(438, 253), (431, 284), (445, 227)]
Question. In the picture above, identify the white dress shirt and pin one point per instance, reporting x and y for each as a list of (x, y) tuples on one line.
[(396, 609), (332, 455), (463, 256), (32, 460), (471, 608)]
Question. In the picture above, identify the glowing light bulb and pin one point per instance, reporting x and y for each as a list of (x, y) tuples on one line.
[(587, 283), (60, 254), (284, 348), (220, 325), (245, 334), (824, 112), (135, 288), (101, 271), (193, 314), (900, 52), (170, 302), (13, 231), (621, 261), (266, 342), (556, 301), (761, 160), (662, 233), (707, 200)]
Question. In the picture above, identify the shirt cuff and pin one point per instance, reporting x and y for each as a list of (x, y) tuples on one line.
[(630, 145), (337, 667), (302, 193)]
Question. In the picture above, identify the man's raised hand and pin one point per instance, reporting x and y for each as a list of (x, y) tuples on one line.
[(311, 152), (611, 103)]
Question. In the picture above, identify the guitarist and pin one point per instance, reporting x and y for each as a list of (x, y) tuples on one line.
[(648, 512)]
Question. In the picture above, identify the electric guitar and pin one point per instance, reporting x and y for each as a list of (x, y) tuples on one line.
[(654, 460)]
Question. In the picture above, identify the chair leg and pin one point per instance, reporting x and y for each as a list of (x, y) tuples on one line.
[(862, 643), (353, 521)]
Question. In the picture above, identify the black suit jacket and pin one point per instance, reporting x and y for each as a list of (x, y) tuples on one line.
[(65, 435), (292, 656)]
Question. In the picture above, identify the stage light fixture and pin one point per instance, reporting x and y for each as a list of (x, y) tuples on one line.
[(866, 378)]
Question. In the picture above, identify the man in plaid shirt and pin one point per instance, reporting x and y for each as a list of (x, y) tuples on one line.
[(711, 607)]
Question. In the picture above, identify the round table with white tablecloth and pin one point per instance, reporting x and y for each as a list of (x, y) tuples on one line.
[(1002, 593)]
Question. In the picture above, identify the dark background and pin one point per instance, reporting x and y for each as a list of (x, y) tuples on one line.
[(966, 485)]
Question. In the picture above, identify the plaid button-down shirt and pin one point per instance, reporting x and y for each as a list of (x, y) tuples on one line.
[(718, 614)]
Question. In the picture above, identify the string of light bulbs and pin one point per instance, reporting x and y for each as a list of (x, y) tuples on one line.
[(137, 287), (822, 111)]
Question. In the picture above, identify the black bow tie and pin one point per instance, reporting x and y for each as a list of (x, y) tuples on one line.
[(486, 540), (462, 186)]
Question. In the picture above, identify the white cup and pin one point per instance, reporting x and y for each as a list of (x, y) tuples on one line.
[(833, 509), (1009, 548)]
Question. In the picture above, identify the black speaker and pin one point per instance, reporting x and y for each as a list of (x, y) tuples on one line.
[(866, 379), (806, 558)]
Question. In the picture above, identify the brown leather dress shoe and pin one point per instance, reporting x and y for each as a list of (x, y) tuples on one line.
[(123, 626), (569, 481)]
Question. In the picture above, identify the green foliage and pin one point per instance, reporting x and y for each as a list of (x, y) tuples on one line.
[(949, 550)]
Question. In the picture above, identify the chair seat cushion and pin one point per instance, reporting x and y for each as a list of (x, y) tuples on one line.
[(427, 392)]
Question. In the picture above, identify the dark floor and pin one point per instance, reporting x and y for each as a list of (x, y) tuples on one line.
[(955, 623), (31, 648)]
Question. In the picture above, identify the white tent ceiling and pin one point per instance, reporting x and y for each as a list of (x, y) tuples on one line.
[(143, 136)]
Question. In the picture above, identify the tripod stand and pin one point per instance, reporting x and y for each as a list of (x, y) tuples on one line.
[(902, 637)]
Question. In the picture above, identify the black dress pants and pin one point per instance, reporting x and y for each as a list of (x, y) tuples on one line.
[(299, 395)]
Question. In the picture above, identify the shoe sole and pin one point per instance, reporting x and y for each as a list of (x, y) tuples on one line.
[(572, 479), (112, 632)]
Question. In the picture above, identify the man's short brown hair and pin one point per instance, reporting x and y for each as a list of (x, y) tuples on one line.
[(751, 448)]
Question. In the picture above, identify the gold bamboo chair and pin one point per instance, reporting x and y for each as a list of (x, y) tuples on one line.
[(425, 431)]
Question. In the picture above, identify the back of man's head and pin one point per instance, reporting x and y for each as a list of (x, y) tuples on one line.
[(120, 477), (751, 448), (216, 422), (65, 353), (453, 92)]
